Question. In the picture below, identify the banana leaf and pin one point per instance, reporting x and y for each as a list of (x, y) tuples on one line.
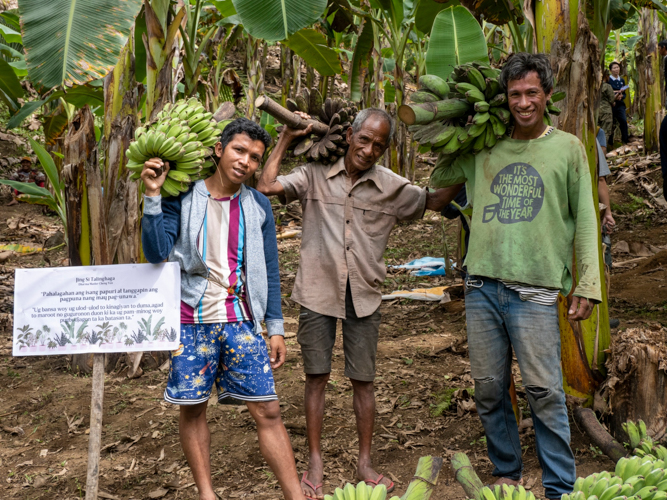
[(360, 58), (10, 87), (54, 123), (618, 13), (426, 12), (456, 38), (9, 34), (311, 46), (69, 42), (275, 20), (495, 12)]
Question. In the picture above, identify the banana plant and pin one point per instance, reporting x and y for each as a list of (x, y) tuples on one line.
[(34, 194), (192, 65)]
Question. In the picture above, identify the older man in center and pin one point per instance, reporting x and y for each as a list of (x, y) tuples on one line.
[(349, 210)]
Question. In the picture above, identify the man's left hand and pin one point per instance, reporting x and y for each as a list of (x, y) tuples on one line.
[(580, 309), (278, 351)]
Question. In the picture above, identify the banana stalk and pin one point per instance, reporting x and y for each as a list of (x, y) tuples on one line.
[(466, 476), (425, 479)]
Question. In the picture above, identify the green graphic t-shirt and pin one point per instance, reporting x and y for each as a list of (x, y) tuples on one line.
[(531, 200)]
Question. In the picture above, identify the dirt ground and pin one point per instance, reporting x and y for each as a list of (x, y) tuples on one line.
[(422, 366)]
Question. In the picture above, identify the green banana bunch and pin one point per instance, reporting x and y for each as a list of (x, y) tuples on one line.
[(362, 491), (182, 134), (466, 113), (506, 492)]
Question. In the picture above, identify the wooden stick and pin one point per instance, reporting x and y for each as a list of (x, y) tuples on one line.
[(587, 420), (285, 116), (95, 438)]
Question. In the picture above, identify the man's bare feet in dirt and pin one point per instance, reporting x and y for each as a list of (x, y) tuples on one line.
[(12, 203), (509, 482), (366, 473), (311, 481)]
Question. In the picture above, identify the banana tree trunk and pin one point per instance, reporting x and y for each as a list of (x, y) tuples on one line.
[(649, 26), (255, 75), (564, 34)]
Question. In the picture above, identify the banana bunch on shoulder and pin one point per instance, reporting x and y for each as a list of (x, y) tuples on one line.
[(464, 114), (182, 135)]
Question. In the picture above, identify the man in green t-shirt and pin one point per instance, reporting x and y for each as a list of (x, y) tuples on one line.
[(533, 204)]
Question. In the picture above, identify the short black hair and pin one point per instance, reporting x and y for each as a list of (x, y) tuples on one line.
[(520, 64), (611, 64), (245, 126), (663, 44)]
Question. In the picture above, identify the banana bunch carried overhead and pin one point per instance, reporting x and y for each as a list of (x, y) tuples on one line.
[(337, 113), (182, 135), (439, 114)]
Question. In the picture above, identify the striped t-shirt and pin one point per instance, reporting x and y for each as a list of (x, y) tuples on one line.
[(220, 244), (536, 294)]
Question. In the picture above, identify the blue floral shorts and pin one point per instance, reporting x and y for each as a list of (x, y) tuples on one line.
[(231, 355)]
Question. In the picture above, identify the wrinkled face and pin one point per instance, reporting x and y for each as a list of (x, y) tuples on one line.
[(527, 101), (240, 159), (615, 70), (367, 145)]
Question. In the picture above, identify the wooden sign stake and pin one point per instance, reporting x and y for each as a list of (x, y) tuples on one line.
[(95, 437)]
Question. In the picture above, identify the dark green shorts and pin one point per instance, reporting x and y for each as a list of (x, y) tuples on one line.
[(317, 335)]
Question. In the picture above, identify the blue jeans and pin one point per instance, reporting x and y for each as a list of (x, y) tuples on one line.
[(499, 321)]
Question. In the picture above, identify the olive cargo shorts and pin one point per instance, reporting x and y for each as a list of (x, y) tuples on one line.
[(317, 335)]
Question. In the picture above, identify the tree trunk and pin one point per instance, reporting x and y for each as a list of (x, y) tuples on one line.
[(286, 73), (649, 26), (563, 33), (255, 76), (636, 387)]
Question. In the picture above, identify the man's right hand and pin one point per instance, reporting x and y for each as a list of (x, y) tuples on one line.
[(152, 181), (290, 134)]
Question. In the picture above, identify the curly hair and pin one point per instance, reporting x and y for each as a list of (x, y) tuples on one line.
[(520, 64)]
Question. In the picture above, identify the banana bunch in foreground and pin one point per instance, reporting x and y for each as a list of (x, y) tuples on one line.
[(439, 115), (506, 492), (362, 491), (641, 442), (182, 135), (636, 478)]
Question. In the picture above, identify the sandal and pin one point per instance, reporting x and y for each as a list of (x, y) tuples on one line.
[(314, 487), (390, 488)]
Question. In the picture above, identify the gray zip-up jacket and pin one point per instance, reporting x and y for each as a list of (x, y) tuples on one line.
[(170, 228)]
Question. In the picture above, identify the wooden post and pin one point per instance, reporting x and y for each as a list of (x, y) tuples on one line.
[(95, 438)]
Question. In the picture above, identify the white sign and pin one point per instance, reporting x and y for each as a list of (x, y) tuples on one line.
[(119, 308)]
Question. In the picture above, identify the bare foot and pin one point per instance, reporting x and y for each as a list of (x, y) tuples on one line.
[(11, 203), (509, 482), (367, 474), (311, 481)]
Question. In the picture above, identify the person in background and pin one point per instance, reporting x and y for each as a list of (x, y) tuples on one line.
[(617, 83), (26, 174), (607, 221), (662, 48), (606, 111)]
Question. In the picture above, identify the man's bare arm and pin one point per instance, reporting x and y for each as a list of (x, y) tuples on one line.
[(442, 197), (267, 184)]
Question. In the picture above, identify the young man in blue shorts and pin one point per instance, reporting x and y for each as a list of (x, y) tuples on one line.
[(222, 234)]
